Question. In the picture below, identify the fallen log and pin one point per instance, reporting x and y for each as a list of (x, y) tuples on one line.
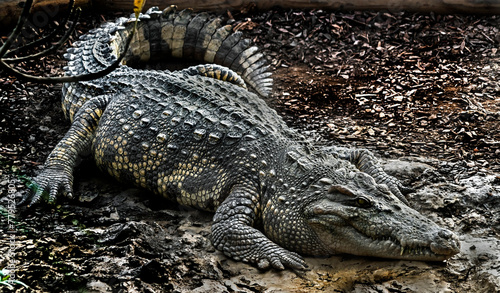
[(437, 6), (43, 10), (10, 10)]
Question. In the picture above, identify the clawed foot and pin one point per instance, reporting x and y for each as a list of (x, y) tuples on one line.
[(395, 186), (292, 261), (47, 185), (279, 258)]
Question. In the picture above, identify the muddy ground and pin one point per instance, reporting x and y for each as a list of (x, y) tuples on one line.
[(420, 90)]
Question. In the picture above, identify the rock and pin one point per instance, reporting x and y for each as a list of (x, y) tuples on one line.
[(405, 169), (210, 286), (94, 286)]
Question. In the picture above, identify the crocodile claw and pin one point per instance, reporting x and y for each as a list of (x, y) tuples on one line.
[(280, 259), (47, 185), (396, 187)]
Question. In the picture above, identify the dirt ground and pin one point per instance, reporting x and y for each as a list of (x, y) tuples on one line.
[(420, 90)]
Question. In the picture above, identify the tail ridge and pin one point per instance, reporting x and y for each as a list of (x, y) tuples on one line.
[(171, 33)]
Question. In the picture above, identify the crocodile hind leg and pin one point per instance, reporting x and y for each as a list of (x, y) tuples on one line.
[(366, 162), (57, 174), (233, 234)]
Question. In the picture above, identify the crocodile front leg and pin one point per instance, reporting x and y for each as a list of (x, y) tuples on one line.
[(366, 162), (57, 175), (233, 234)]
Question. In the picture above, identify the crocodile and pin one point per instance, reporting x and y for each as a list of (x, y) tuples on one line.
[(199, 137)]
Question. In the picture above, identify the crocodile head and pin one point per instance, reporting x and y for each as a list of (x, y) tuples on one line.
[(362, 217)]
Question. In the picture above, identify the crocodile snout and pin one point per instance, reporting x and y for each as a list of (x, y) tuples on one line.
[(445, 242)]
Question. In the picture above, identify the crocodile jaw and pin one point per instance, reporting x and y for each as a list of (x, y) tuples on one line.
[(413, 238)]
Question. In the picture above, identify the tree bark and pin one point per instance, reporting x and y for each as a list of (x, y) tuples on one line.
[(10, 10)]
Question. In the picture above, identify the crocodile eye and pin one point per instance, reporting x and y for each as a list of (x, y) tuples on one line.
[(363, 202)]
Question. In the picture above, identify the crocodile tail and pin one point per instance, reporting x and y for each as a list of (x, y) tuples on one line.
[(169, 33)]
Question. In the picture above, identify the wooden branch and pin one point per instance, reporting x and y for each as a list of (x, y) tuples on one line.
[(9, 9), (438, 6)]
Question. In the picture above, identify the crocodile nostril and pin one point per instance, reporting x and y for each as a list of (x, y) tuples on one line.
[(445, 234)]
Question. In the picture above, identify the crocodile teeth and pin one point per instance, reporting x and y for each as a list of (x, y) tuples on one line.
[(402, 250)]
